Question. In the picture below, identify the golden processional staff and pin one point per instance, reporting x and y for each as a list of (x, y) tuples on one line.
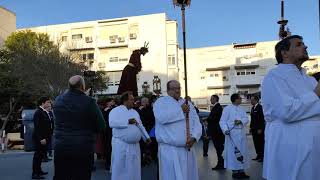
[(183, 4)]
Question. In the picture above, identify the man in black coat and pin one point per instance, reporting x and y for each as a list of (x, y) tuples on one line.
[(215, 132), (257, 126), (41, 135), (77, 121), (148, 151), (110, 104)]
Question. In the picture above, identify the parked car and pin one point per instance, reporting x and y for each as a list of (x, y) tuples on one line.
[(203, 114)]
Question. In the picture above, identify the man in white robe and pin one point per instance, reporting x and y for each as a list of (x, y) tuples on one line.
[(127, 131), (175, 161), (291, 107), (233, 123)]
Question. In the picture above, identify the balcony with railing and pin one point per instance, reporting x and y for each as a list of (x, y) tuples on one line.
[(86, 43), (113, 42)]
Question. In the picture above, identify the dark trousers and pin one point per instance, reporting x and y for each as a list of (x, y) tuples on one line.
[(258, 140), (108, 150), (39, 155), (72, 165), (218, 142), (205, 146), (49, 146)]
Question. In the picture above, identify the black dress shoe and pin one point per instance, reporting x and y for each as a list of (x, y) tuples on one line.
[(218, 167), (236, 175), (205, 155), (37, 177), (240, 175), (43, 173), (255, 159), (260, 160), (243, 175)]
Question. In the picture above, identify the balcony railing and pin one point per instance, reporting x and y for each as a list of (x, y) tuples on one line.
[(80, 44), (106, 43)]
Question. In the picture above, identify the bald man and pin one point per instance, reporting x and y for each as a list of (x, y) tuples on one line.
[(176, 162), (78, 119)]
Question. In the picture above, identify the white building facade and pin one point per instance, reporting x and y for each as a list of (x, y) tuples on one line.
[(224, 70), (7, 24), (106, 45)]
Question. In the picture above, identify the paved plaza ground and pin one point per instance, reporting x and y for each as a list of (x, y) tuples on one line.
[(16, 165)]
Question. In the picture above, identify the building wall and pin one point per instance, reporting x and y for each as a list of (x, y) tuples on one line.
[(224, 70), (312, 65), (7, 24), (113, 40)]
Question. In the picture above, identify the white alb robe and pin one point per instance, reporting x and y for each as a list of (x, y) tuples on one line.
[(175, 161), (126, 158), (292, 135), (238, 135)]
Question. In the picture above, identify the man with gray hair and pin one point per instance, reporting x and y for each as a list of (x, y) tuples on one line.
[(177, 158), (78, 119), (291, 107)]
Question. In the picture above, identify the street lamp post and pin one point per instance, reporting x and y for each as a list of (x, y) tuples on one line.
[(156, 83), (183, 4)]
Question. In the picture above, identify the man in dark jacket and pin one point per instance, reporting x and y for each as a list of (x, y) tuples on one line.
[(110, 104), (148, 151), (41, 134), (257, 126), (215, 132), (77, 120)]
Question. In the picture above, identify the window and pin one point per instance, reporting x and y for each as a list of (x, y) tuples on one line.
[(221, 92), (171, 60), (243, 93), (246, 72), (113, 59), (113, 38), (84, 57), (133, 36), (101, 65), (64, 38), (117, 59), (90, 56), (76, 36), (226, 92), (215, 74), (123, 59), (121, 39), (89, 39), (114, 78), (224, 78)]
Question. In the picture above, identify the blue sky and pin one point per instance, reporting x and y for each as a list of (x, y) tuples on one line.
[(209, 22)]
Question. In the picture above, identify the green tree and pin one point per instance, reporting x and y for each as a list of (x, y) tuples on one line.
[(32, 66)]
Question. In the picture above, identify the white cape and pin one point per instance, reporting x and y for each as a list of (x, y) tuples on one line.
[(126, 158), (236, 138), (292, 135), (175, 161)]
